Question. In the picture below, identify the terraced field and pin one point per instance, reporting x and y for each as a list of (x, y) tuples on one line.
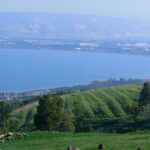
[(107, 102)]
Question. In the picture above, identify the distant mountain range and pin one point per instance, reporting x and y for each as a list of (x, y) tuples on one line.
[(71, 26)]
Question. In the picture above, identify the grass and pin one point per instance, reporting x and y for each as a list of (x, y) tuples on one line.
[(85, 141), (22, 112), (108, 102)]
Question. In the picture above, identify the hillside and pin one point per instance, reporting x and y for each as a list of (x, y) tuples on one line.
[(107, 102), (85, 141)]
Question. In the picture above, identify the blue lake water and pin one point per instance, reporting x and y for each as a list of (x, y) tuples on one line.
[(37, 69)]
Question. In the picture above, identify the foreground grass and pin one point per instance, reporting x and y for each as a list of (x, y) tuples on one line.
[(85, 141)]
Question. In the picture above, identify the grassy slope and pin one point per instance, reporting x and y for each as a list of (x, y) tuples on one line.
[(85, 141), (22, 111), (109, 101)]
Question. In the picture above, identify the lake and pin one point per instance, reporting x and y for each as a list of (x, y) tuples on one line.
[(38, 69)]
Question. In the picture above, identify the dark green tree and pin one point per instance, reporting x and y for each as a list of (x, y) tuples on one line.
[(79, 116), (12, 124), (144, 101), (67, 123), (49, 113), (132, 110), (145, 95), (5, 111)]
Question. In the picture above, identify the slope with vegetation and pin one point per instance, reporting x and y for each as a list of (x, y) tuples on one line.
[(107, 102), (101, 103)]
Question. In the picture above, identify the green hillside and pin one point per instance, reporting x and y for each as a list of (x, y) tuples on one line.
[(107, 102), (21, 112)]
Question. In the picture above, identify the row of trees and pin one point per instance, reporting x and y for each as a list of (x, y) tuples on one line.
[(50, 115), (6, 122)]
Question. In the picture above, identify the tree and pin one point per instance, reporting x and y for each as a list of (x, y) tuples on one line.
[(145, 95), (144, 101), (79, 116), (5, 111), (133, 110), (67, 124), (145, 111), (12, 124), (49, 113)]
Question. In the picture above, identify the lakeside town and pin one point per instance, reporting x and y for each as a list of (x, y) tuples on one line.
[(14, 96), (114, 46)]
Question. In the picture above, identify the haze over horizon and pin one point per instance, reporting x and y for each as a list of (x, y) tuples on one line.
[(117, 8), (103, 20)]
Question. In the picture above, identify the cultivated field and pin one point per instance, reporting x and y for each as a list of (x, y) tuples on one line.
[(107, 102), (110, 102)]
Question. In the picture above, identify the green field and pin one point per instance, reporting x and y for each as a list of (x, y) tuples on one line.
[(106, 103), (109, 102), (85, 141)]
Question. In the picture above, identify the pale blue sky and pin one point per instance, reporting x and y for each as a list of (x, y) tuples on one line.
[(115, 8)]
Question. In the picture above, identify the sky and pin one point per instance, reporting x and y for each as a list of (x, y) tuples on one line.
[(113, 8)]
